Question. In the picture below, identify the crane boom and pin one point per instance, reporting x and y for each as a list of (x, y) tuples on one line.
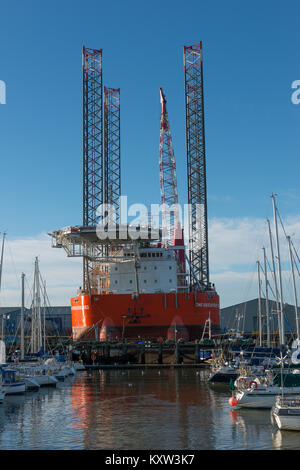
[(167, 169)]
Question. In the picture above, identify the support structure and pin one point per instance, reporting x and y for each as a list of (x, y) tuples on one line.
[(196, 165), (92, 145), (167, 170), (112, 149)]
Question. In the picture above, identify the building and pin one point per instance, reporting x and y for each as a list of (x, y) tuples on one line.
[(58, 321), (244, 317)]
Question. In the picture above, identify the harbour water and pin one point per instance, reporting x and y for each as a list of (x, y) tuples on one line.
[(137, 409)]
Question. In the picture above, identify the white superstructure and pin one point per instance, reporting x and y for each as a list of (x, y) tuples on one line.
[(155, 271)]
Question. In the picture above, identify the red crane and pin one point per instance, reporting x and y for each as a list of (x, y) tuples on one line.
[(167, 169), (168, 184)]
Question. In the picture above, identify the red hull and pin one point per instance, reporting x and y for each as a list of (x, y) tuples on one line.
[(148, 316)]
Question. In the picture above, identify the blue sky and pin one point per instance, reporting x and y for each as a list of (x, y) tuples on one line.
[(252, 128), (251, 58)]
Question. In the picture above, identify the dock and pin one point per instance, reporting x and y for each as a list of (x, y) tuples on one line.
[(96, 355)]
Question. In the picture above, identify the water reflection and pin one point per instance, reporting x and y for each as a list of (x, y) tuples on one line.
[(135, 409), (145, 409)]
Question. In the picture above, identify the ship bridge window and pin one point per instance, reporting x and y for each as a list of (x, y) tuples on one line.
[(157, 255), (149, 255)]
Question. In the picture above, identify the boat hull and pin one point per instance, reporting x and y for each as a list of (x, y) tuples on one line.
[(262, 398), (147, 316), (31, 384), (222, 378), (45, 380), (14, 388), (288, 423)]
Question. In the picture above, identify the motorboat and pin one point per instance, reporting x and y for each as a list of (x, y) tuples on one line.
[(286, 412), (223, 373), (12, 382), (262, 391)]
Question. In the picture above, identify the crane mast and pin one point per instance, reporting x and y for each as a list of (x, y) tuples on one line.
[(167, 171), (93, 180), (196, 166)]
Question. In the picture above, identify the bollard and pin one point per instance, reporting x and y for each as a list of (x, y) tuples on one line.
[(142, 354), (107, 351), (197, 353), (177, 354), (160, 354)]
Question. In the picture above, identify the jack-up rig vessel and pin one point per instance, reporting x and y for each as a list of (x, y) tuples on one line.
[(139, 287)]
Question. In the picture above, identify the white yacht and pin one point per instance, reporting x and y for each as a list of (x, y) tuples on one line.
[(262, 391), (286, 412)]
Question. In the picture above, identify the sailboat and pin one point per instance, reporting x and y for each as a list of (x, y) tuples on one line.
[(286, 410), (265, 391)]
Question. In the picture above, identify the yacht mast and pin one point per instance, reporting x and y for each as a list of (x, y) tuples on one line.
[(2, 253), (259, 305), (267, 299), (281, 330), (273, 266), (1, 267), (22, 319), (44, 319), (294, 286), (36, 329)]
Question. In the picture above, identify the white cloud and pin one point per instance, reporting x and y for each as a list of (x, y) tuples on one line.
[(62, 274), (234, 246)]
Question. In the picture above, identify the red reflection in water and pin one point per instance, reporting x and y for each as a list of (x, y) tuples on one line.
[(113, 407)]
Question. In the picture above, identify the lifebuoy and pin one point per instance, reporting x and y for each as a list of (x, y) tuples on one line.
[(243, 380), (253, 382)]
